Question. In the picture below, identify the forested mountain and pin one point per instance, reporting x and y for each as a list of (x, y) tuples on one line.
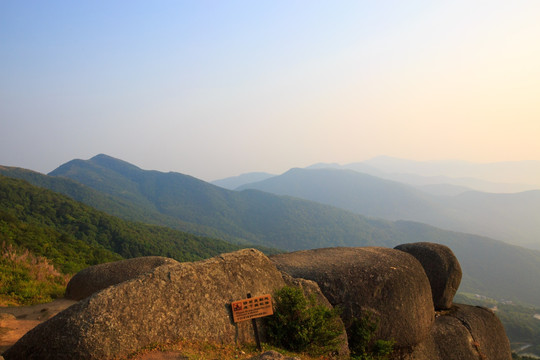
[(254, 216), (291, 224), (514, 218), (353, 191), (45, 236), (112, 205), (74, 235)]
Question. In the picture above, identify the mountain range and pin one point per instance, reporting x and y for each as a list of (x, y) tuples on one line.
[(492, 268), (511, 217), (437, 177)]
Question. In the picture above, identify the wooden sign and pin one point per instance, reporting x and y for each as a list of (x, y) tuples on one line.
[(252, 308)]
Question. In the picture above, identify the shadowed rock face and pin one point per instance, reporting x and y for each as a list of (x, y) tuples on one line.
[(486, 330), (465, 333), (442, 269), (186, 300), (390, 284), (98, 277)]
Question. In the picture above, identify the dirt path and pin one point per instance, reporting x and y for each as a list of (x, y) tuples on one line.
[(17, 321)]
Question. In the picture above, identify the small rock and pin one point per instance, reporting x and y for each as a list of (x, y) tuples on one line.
[(6, 316), (272, 355)]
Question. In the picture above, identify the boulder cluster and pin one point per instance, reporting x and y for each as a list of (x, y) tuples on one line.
[(131, 304)]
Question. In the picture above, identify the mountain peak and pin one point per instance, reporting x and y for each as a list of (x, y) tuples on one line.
[(111, 162)]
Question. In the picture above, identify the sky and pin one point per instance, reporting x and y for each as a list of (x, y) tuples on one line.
[(218, 88)]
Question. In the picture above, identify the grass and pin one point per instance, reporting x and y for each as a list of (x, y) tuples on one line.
[(26, 279), (211, 351)]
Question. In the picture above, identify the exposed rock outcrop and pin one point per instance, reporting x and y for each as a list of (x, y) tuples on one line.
[(487, 331), (387, 283), (466, 333), (138, 302), (185, 300), (442, 269), (98, 277)]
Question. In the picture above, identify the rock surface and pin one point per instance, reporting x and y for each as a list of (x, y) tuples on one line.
[(184, 300), (486, 330), (466, 333), (388, 283), (442, 269), (98, 277), (169, 300)]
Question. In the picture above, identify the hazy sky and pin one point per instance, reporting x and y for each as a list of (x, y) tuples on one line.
[(218, 88)]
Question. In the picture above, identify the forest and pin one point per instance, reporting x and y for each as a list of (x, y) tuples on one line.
[(43, 228)]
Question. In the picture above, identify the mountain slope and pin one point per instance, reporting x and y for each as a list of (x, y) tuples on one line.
[(261, 218), (293, 224), (113, 205), (347, 189), (233, 182), (74, 235), (513, 218), (492, 268)]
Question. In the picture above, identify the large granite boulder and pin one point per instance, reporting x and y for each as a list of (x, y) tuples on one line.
[(486, 330), (442, 269), (98, 277), (466, 333), (184, 300), (390, 284)]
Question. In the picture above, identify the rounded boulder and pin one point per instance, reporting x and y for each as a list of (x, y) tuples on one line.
[(190, 301), (98, 277), (388, 284), (442, 269), (467, 333)]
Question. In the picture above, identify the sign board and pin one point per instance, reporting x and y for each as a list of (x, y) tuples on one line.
[(252, 308)]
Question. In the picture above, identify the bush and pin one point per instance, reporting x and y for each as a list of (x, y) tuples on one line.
[(361, 342), (26, 279), (300, 324)]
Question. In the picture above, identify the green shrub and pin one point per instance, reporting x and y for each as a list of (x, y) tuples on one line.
[(361, 342), (300, 324), (26, 279)]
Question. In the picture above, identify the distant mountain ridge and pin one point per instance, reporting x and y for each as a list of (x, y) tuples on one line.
[(509, 176), (290, 224), (514, 218), (437, 177), (526, 172), (233, 182)]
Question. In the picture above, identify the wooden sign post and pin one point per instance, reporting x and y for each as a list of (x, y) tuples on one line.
[(252, 308)]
